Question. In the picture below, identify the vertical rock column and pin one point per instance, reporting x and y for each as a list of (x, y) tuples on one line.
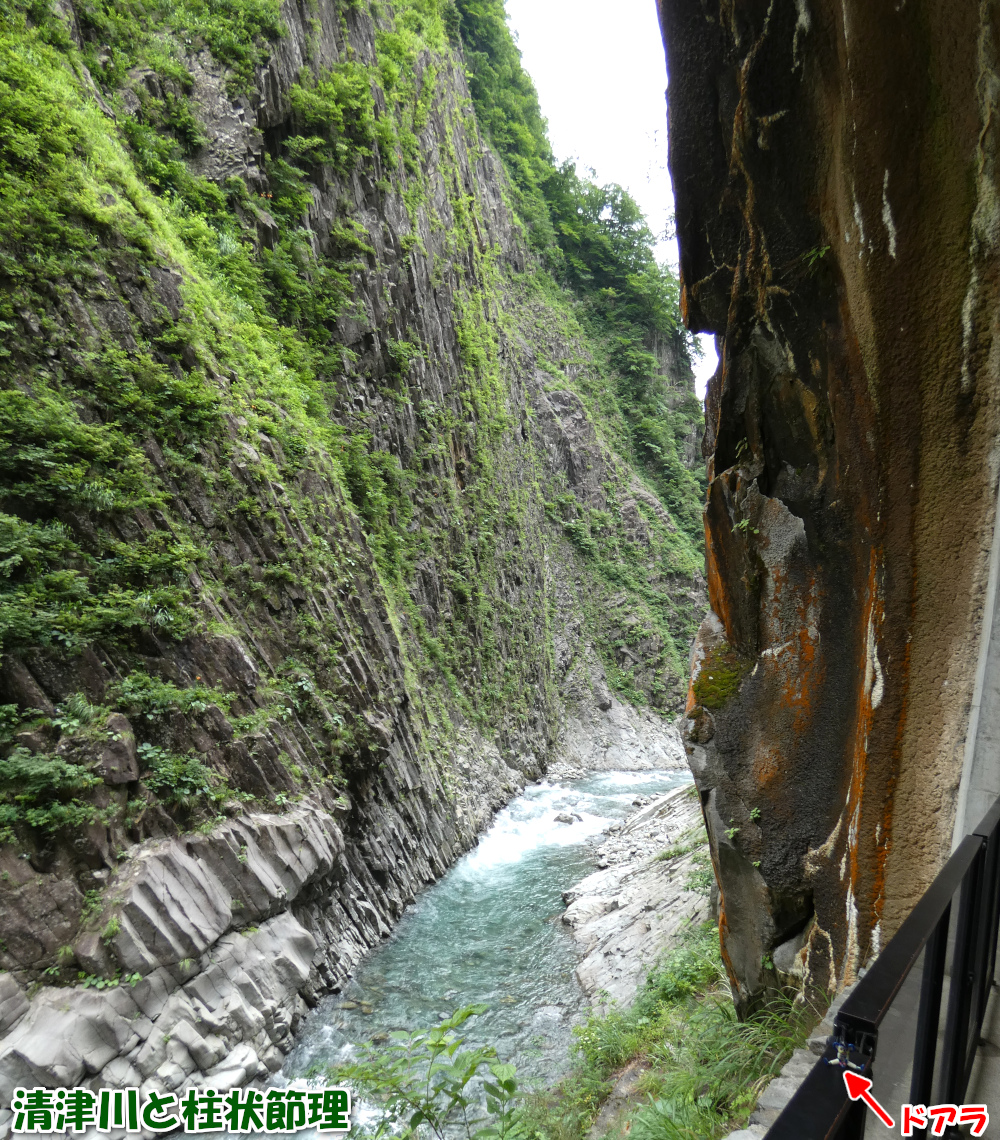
[(837, 212)]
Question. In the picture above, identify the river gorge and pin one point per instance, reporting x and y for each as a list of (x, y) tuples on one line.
[(366, 551), (491, 932)]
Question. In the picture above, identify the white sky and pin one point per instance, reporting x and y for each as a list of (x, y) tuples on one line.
[(601, 79)]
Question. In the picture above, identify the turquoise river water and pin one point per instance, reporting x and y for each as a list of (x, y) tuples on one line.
[(489, 931)]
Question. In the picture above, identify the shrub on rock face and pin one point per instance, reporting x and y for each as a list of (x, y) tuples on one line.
[(182, 781), (44, 791)]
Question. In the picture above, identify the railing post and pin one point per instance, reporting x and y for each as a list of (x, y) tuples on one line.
[(854, 1124), (995, 917), (989, 829), (931, 988), (954, 1066), (985, 936)]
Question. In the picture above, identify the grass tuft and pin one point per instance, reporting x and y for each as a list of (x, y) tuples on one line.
[(704, 1069)]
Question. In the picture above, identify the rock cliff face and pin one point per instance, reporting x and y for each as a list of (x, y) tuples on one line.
[(835, 175), (310, 480)]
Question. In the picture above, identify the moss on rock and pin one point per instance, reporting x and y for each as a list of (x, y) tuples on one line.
[(719, 677)]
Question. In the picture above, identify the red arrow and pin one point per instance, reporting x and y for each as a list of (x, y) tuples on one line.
[(857, 1089)]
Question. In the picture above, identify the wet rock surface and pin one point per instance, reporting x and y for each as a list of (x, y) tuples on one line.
[(852, 490)]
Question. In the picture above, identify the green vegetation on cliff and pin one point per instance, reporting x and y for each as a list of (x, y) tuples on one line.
[(719, 677), (310, 392), (595, 240)]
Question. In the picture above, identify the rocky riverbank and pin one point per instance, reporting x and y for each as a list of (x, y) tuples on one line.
[(222, 941), (609, 736), (650, 881), (653, 877)]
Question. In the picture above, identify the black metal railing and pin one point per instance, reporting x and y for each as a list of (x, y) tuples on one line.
[(929, 966)]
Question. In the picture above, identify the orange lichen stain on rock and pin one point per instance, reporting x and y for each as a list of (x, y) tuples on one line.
[(766, 766), (870, 699), (807, 677), (718, 599), (796, 659), (734, 980), (774, 605)]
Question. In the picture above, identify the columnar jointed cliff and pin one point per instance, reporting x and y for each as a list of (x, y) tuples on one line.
[(324, 521), (838, 217)]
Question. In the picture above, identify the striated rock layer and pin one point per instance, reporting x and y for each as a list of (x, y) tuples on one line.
[(834, 164)]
